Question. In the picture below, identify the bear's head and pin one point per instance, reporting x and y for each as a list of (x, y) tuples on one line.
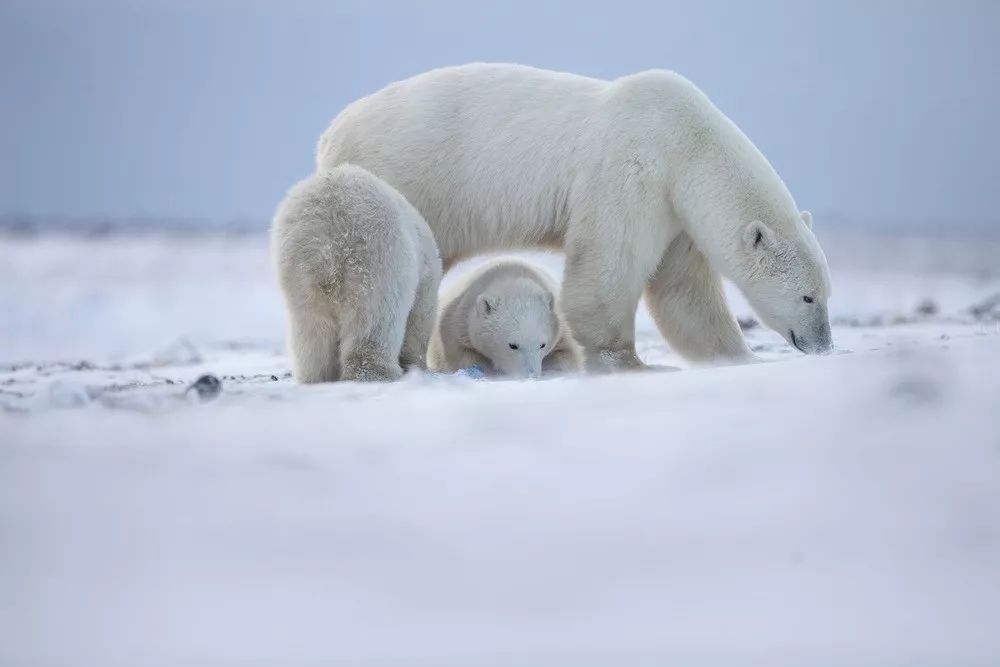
[(514, 330), (784, 276)]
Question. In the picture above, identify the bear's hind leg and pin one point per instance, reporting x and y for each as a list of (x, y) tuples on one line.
[(687, 302), (369, 359), (313, 347), (370, 343), (420, 323)]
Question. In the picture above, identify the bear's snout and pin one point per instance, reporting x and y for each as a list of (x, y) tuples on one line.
[(821, 342)]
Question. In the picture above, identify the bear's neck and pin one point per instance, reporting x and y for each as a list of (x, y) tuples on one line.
[(727, 183)]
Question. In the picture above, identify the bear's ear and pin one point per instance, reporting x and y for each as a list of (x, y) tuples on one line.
[(549, 299), (807, 218), (484, 306), (757, 235)]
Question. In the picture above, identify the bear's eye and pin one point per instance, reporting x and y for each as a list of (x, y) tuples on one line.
[(542, 346), (513, 346), (807, 299)]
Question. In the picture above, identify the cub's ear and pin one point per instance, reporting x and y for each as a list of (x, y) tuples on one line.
[(549, 299), (484, 305), (807, 218), (757, 235)]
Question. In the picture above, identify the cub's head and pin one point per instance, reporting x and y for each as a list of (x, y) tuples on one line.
[(784, 276), (515, 331)]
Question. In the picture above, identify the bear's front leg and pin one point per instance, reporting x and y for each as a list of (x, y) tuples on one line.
[(688, 304), (600, 294), (562, 360)]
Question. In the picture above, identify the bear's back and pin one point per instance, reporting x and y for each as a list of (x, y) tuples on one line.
[(488, 154), (347, 225)]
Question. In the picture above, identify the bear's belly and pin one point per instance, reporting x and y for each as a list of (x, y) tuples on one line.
[(473, 218)]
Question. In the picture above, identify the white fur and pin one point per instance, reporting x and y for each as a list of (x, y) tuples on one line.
[(643, 181), (502, 304), (359, 271)]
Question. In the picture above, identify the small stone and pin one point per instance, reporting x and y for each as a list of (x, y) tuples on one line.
[(927, 308), (208, 387)]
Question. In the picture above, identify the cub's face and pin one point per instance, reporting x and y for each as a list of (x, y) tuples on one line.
[(786, 280), (514, 332)]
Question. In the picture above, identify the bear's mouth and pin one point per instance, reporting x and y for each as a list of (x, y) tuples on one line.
[(795, 342)]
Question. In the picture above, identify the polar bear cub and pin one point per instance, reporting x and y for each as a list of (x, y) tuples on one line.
[(359, 270), (503, 318)]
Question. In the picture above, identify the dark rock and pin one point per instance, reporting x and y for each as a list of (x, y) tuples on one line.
[(927, 308), (207, 387), (989, 308)]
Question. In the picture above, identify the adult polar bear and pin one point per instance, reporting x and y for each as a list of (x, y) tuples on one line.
[(642, 180)]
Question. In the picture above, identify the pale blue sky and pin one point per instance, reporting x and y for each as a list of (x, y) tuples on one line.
[(878, 112)]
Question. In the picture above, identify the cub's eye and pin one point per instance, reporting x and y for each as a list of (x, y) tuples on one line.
[(807, 299), (513, 346), (541, 346)]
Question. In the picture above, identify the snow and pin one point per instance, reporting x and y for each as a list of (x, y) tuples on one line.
[(838, 510)]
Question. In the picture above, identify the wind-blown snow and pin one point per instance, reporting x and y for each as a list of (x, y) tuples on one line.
[(841, 510)]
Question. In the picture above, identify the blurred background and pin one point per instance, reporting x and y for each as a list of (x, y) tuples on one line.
[(201, 113)]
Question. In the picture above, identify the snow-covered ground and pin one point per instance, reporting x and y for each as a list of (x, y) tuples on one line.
[(842, 510)]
